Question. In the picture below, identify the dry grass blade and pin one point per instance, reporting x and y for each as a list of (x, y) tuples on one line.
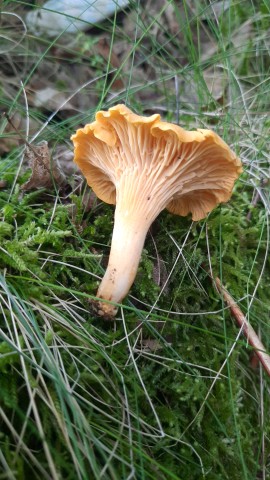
[(248, 331)]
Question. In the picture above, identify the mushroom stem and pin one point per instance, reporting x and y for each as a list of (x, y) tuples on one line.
[(128, 238)]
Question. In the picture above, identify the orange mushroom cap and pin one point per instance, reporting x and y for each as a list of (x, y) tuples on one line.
[(144, 165), (197, 168)]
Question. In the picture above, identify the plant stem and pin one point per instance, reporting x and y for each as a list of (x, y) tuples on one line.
[(248, 331)]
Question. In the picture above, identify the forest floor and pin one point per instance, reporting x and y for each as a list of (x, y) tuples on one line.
[(172, 388)]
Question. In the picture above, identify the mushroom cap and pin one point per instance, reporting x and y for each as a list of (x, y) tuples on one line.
[(196, 169)]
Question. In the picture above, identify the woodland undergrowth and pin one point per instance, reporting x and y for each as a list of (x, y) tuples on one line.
[(170, 389)]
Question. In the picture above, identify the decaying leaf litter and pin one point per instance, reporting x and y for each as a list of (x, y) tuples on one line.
[(204, 106)]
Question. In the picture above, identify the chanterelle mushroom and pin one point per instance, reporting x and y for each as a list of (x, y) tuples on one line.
[(144, 165)]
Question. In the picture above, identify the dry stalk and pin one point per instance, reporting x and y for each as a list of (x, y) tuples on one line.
[(248, 331)]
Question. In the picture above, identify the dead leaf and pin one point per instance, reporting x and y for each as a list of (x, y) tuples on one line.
[(51, 99), (216, 80), (240, 40), (89, 200), (46, 172), (63, 156), (242, 35), (104, 49), (151, 345), (14, 132), (52, 86), (172, 19), (10, 138), (3, 183), (213, 10)]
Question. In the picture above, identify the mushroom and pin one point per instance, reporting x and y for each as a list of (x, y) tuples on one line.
[(144, 165)]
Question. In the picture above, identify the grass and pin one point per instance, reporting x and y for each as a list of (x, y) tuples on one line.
[(169, 390)]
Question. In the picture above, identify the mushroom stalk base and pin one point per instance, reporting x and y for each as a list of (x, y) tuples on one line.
[(127, 243)]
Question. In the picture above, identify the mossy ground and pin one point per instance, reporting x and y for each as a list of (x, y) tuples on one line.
[(169, 390)]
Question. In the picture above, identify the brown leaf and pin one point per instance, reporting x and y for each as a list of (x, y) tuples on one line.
[(171, 17), (51, 99), (89, 200), (14, 132), (216, 80), (63, 156), (104, 49), (52, 85), (10, 139), (240, 40), (151, 345), (45, 171)]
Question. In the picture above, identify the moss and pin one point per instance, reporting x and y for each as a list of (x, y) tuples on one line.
[(218, 429)]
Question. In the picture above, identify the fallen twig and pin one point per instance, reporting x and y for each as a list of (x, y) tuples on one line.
[(248, 331)]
